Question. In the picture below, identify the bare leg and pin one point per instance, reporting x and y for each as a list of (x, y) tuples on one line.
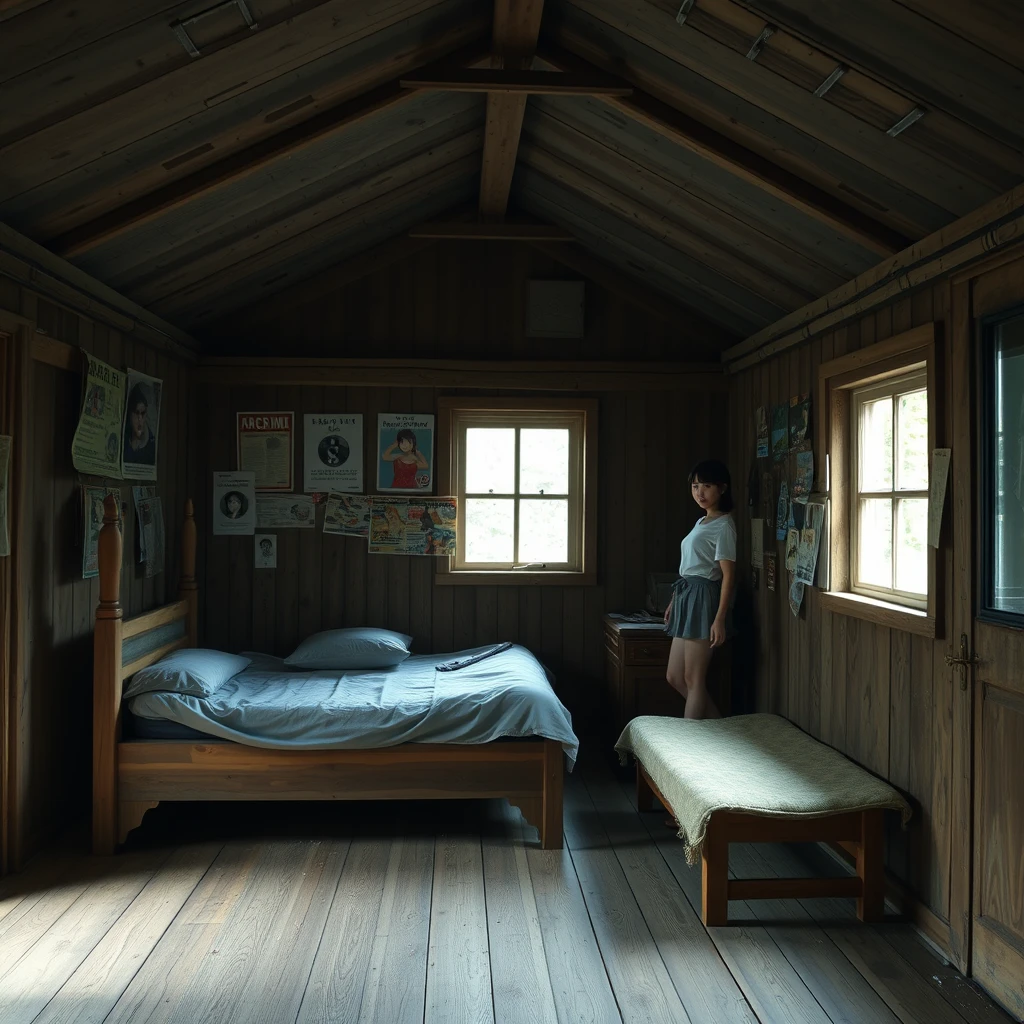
[(675, 673), (697, 657)]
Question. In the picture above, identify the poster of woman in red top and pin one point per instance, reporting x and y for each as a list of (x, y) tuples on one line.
[(406, 444)]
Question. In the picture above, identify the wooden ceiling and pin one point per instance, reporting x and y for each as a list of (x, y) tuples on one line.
[(740, 156)]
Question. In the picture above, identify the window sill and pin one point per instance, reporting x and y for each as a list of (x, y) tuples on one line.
[(482, 578), (896, 616)]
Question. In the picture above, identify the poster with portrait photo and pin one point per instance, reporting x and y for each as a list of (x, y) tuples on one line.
[(234, 504), (140, 431), (265, 547), (96, 447), (333, 449), (405, 452)]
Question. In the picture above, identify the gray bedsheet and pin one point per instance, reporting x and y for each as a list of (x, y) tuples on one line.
[(270, 706)]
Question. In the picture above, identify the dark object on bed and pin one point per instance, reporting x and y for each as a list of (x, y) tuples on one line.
[(131, 776), (454, 666)]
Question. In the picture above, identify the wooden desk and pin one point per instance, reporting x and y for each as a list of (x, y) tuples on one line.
[(636, 656)]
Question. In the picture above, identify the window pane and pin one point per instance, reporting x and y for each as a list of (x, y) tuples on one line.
[(544, 462), (912, 441), (490, 529), (490, 460), (875, 445), (875, 542), (1004, 424), (911, 545), (543, 531)]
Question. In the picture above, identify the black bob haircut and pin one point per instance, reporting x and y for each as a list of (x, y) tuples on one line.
[(711, 471)]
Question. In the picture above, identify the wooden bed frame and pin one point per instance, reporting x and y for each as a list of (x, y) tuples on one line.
[(130, 777), (861, 833)]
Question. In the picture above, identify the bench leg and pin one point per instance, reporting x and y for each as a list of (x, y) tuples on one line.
[(871, 866), (715, 877), (644, 793)]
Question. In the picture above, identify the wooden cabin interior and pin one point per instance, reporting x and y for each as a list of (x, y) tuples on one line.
[(786, 235)]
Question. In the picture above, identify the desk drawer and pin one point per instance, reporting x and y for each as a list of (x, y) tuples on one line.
[(647, 652)]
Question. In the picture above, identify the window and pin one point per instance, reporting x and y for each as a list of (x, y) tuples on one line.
[(879, 431), (523, 471), (889, 506)]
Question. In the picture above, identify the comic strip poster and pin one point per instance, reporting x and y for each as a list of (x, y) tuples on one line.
[(141, 429), (332, 449), (412, 526), (92, 498), (281, 511), (266, 449), (405, 452), (234, 504), (96, 448), (347, 515)]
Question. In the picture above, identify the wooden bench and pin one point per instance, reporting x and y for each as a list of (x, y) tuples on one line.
[(861, 832), (757, 779)]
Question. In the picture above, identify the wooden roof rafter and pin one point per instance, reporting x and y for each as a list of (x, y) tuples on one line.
[(237, 166), (738, 160)]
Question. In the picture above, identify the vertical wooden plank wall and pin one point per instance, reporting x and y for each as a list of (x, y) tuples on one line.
[(881, 696), (53, 699), (459, 300)]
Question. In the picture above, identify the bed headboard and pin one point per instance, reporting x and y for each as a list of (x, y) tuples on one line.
[(122, 647)]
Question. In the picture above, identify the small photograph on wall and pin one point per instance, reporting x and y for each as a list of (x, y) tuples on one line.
[(266, 551), (96, 448), (141, 426), (234, 504), (92, 498), (405, 452), (762, 432), (333, 450), (266, 449)]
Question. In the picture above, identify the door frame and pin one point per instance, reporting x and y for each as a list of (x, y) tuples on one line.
[(966, 354)]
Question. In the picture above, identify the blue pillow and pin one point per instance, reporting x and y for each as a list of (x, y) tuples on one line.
[(359, 647), (196, 673)]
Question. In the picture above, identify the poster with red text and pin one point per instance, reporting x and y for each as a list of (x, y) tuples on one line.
[(266, 449)]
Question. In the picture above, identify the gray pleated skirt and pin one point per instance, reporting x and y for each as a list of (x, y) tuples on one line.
[(695, 601)]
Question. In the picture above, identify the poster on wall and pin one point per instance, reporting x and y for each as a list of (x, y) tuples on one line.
[(810, 539), (796, 597), (412, 526), (332, 450), (757, 543), (792, 545), (277, 511), (799, 421), (92, 499), (141, 430), (803, 483), (780, 431), (347, 515), (265, 547), (149, 514), (782, 511), (96, 448), (266, 449), (5, 461), (761, 419), (405, 451), (234, 504)]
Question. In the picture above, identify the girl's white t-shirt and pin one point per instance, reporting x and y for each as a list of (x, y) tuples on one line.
[(708, 543)]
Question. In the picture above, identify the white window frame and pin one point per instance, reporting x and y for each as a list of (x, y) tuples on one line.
[(579, 416), (892, 388)]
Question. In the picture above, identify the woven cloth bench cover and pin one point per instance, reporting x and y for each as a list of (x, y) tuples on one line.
[(751, 764)]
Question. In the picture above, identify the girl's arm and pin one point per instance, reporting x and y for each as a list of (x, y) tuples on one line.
[(421, 459), (728, 585), (386, 455)]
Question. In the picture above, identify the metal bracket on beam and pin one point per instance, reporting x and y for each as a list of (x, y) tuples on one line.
[(755, 50), (831, 80), (684, 10), (905, 122), (180, 27)]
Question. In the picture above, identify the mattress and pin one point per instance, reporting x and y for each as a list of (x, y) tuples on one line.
[(508, 695)]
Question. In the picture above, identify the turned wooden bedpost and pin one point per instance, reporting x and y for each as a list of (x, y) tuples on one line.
[(106, 697), (187, 588)]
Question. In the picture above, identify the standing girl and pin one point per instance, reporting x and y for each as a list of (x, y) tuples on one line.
[(699, 615)]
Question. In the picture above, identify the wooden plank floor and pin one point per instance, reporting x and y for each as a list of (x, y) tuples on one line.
[(443, 913)]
